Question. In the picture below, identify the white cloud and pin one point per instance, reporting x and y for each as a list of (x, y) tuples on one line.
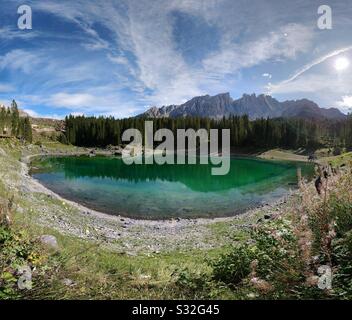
[(7, 33), (285, 43), (279, 87), (6, 88), (35, 114), (267, 75), (140, 47), (19, 60), (345, 104), (159, 73), (102, 103), (72, 100)]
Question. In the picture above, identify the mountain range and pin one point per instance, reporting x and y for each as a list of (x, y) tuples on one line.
[(261, 106)]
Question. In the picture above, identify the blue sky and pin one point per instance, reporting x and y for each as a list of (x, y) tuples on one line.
[(113, 57)]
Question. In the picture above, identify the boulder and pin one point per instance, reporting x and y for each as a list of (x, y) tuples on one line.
[(49, 241), (68, 282)]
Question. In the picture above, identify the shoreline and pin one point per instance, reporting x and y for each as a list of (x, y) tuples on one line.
[(136, 236), (27, 160)]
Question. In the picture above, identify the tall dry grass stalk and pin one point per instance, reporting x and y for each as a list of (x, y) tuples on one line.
[(6, 214), (314, 226)]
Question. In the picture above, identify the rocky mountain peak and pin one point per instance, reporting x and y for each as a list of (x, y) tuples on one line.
[(261, 106)]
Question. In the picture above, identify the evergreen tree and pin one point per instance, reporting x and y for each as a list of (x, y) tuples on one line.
[(15, 119)]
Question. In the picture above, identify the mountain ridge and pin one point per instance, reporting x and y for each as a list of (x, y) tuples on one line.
[(255, 106)]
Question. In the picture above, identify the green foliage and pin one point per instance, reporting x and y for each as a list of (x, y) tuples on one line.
[(15, 119), (233, 267), (17, 250), (195, 285), (341, 214), (272, 255), (342, 257), (62, 138), (11, 124), (260, 133), (38, 143)]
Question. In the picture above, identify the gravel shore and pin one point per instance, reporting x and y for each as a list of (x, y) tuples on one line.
[(132, 236)]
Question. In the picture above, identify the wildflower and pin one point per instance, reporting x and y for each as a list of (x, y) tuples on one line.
[(261, 285), (312, 281), (251, 295)]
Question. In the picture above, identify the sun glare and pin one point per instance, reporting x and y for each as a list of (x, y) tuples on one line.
[(341, 63)]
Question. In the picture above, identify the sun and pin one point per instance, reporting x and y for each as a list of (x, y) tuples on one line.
[(341, 63)]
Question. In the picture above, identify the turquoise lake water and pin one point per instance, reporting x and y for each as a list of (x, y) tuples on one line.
[(108, 185)]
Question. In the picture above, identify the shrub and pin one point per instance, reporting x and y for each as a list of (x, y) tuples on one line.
[(271, 263), (342, 260), (195, 285), (62, 138), (337, 151), (233, 267), (341, 213)]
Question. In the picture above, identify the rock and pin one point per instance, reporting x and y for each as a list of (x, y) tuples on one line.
[(25, 280), (261, 106), (20, 210), (68, 282), (49, 241), (131, 254)]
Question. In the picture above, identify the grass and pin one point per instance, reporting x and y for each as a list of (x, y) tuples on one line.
[(84, 269), (94, 271), (279, 154), (337, 161)]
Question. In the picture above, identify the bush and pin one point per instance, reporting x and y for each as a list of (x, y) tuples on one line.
[(62, 138), (271, 263), (195, 285), (341, 213), (233, 267), (277, 253), (337, 151), (342, 259)]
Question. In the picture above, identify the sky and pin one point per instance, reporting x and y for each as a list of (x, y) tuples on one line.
[(119, 57)]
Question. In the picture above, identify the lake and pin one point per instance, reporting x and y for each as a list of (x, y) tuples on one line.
[(144, 191)]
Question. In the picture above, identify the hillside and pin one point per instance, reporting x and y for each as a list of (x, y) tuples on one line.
[(269, 253)]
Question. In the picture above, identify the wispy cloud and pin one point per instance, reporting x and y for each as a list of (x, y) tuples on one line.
[(116, 57), (279, 86), (19, 60), (285, 43), (4, 88), (8, 33), (345, 104)]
